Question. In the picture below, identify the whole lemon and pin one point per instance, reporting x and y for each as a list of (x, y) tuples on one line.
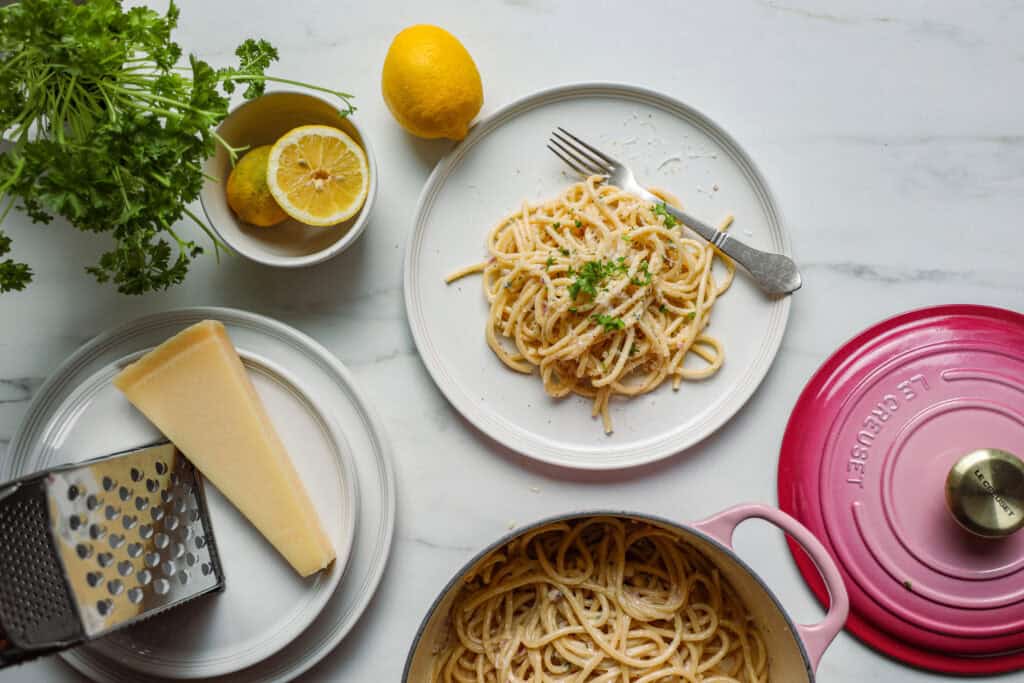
[(431, 84), (248, 193)]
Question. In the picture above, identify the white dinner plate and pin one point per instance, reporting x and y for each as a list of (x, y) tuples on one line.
[(503, 161), (268, 624)]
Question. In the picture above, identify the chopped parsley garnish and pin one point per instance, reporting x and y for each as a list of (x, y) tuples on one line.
[(565, 252), (661, 210), (691, 315), (572, 309), (662, 308), (593, 274), (646, 280), (556, 224), (550, 262), (579, 223), (633, 349), (627, 238), (609, 323)]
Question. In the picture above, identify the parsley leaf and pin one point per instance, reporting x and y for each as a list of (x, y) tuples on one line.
[(609, 323), (647, 276), (660, 209), (565, 252), (551, 261), (593, 274), (579, 223), (662, 308)]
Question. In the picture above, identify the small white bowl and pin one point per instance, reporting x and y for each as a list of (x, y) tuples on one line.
[(290, 244)]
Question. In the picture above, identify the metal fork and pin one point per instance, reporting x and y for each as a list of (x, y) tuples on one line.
[(774, 273)]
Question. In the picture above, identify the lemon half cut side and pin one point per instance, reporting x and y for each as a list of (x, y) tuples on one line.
[(318, 175)]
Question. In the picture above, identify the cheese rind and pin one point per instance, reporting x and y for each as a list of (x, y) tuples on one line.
[(196, 391)]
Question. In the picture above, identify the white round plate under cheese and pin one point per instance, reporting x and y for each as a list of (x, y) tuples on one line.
[(268, 624), (502, 162)]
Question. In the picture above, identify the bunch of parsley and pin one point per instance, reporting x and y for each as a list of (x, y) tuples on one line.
[(110, 130)]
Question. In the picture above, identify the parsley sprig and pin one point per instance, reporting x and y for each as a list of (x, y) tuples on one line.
[(660, 209), (593, 274), (646, 279), (110, 131), (608, 322)]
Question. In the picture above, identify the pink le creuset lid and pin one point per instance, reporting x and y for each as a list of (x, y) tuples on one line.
[(864, 463)]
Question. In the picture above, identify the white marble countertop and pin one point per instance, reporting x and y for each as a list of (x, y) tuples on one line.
[(891, 132)]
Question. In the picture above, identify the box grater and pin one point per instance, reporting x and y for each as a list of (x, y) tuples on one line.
[(88, 548)]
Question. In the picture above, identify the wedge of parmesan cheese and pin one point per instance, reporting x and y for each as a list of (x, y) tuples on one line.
[(194, 388)]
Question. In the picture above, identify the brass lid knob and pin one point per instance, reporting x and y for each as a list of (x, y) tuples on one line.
[(985, 492)]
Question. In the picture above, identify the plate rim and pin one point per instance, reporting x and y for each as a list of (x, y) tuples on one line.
[(59, 377), (520, 439)]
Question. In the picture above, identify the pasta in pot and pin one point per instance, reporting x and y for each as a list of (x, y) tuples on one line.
[(604, 600), (603, 293)]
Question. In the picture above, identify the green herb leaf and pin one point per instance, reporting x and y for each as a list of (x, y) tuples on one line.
[(660, 209), (646, 279), (579, 223), (593, 274), (662, 308), (565, 252), (551, 261), (609, 323)]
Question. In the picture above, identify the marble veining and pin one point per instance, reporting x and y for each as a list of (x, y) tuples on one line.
[(891, 132)]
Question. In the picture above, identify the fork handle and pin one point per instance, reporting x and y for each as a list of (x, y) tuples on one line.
[(774, 273)]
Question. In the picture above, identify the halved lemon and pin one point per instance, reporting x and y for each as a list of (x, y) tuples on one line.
[(318, 175)]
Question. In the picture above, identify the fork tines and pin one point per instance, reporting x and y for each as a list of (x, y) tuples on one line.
[(578, 155)]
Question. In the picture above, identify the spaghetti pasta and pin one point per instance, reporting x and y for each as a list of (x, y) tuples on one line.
[(603, 293), (599, 599)]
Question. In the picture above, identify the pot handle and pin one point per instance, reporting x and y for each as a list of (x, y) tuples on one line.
[(815, 637)]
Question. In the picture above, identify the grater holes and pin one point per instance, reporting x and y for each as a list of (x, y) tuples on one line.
[(93, 578), (129, 522), (115, 587), (33, 598), (134, 550), (136, 474), (161, 540), (141, 503), (144, 577), (124, 493), (108, 483), (135, 595), (183, 577), (116, 541), (92, 502), (161, 586), (125, 568), (104, 559), (161, 467), (104, 607), (73, 492), (74, 521), (96, 532), (111, 512)]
